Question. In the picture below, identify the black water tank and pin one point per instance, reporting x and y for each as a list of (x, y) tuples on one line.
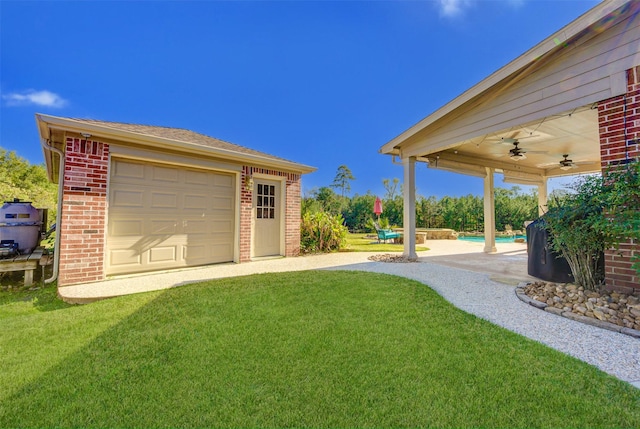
[(543, 262)]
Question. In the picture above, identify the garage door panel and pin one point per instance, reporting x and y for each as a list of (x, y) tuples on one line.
[(127, 170), (223, 181), (164, 200), (163, 217), (198, 178), (221, 227), (122, 258), (163, 254), (164, 174), (127, 198), (195, 202), (223, 203), (162, 227), (126, 227)]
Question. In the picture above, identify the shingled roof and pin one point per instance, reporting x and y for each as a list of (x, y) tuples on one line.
[(53, 129), (177, 134)]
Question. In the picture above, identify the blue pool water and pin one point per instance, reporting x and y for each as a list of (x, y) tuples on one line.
[(480, 239)]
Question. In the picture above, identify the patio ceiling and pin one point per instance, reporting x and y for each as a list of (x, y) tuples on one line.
[(544, 142)]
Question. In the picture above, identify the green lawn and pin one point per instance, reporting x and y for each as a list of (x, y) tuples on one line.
[(369, 243), (303, 349)]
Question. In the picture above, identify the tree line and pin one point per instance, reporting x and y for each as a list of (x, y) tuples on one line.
[(19, 179), (513, 206)]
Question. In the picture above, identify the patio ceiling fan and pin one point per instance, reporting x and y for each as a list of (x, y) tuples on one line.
[(517, 153), (566, 163)]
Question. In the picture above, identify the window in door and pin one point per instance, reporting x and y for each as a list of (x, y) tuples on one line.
[(266, 202)]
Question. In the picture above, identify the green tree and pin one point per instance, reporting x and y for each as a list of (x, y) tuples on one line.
[(20, 179), (359, 210), (327, 200), (343, 180)]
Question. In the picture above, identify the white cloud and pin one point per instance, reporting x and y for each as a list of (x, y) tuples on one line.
[(455, 8), (39, 98), (452, 8)]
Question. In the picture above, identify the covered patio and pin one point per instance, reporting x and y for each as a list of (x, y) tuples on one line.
[(569, 105)]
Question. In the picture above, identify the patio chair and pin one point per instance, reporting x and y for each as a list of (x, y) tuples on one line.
[(386, 234)]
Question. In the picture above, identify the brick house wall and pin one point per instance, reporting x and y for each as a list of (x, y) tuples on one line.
[(83, 213), (619, 122), (292, 212)]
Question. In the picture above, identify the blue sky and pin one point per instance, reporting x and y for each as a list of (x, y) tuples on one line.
[(322, 83)]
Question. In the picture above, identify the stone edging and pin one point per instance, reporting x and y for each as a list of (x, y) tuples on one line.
[(573, 316)]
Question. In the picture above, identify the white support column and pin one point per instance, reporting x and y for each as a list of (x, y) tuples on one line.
[(542, 196), (489, 213), (409, 218)]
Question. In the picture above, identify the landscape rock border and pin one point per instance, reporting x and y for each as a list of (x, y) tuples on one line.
[(388, 257), (521, 294)]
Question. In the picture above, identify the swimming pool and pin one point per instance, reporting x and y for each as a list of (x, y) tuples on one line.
[(480, 238)]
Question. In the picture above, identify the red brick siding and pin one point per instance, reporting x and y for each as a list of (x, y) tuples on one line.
[(292, 221), (619, 122), (292, 211), (246, 216), (83, 213)]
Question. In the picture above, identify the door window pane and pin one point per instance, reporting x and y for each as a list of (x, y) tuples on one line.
[(265, 201)]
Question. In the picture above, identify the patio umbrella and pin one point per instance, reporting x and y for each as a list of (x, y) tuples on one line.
[(377, 207)]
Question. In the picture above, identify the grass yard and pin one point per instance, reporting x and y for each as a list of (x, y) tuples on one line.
[(369, 243), (303, 349)]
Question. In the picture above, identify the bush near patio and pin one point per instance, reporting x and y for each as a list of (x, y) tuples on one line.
[(603, 211), (322, 232)]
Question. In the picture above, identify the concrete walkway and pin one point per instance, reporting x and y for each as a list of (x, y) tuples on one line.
[(508, 265), (478, 283)]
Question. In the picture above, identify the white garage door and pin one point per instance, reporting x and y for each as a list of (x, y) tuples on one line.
[(164, 217)]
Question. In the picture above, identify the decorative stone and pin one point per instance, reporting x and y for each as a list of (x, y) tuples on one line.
[(607, 310)]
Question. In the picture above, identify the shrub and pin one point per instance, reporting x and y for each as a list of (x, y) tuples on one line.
[(321, 232), (603, 212)]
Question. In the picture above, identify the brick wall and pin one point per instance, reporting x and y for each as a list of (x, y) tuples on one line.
[(292, 212), (246, 215), (292, 233), (84, 204), (619, 122)]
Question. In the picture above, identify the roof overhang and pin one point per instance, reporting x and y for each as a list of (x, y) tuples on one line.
[(54, 131), (539, 99)]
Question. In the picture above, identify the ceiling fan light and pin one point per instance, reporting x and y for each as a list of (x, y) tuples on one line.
[(566, 167), (518, 156)]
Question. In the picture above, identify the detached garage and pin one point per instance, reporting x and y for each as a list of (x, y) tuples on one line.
[(137, 198)]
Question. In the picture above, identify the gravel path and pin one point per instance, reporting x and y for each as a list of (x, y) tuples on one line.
[(476, 293)]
